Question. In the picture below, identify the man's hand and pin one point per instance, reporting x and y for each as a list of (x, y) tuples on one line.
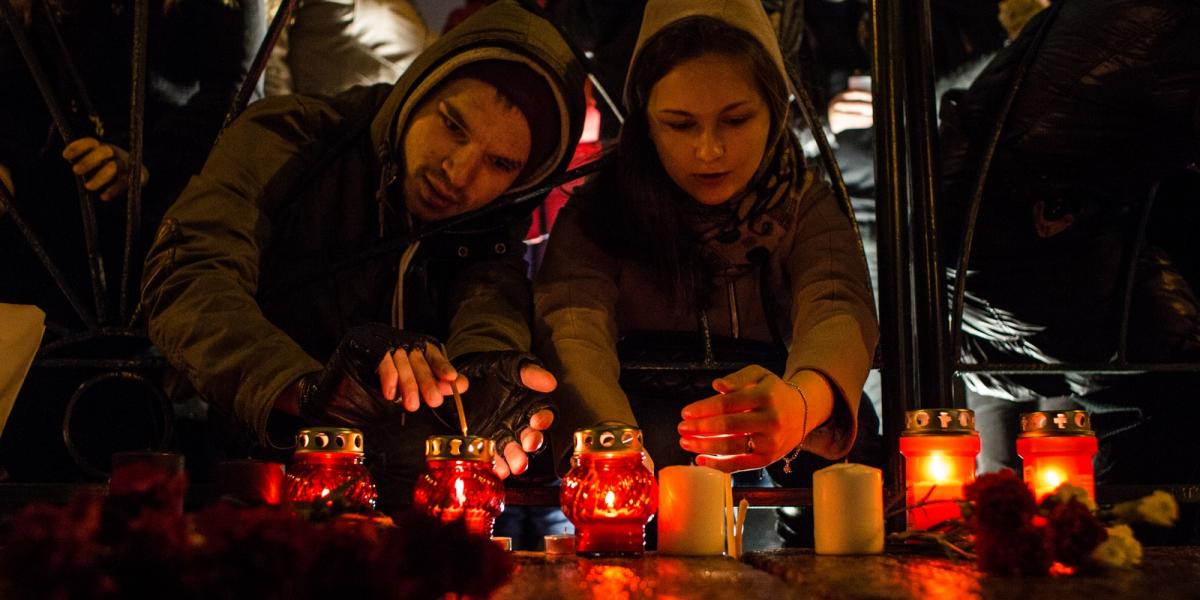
[(420, 373), (514, 457), (851, 109), (508, 403), (755, 419), (104, 167), (374, 366)]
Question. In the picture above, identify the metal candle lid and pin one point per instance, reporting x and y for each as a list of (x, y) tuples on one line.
[(608, 437), (457, 447), (330, 439), (939, 421), (1055, 423)]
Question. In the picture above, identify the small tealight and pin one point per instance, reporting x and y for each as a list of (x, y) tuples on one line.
[(505, 543), (561, 543)]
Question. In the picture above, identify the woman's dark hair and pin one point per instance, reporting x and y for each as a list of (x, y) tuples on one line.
[(632, 209)]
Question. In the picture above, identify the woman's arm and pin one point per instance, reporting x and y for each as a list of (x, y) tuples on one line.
[(575, 330), (759, 417), (834, 329)]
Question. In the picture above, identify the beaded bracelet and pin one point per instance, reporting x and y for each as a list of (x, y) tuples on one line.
[(787, 460)]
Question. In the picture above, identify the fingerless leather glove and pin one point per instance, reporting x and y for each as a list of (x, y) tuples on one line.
[(497, 404), (347, 393)]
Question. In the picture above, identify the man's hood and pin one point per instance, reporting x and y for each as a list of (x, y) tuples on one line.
[(747, 15), (502, 31)]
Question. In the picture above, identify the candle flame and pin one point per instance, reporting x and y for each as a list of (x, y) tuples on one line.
[(610, 498), (938, 468), (324, 492), (458, 491)]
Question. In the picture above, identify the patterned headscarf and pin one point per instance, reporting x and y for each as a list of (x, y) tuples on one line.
[(756, 218)]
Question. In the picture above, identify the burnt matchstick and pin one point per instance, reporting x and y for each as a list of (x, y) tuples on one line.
[(462, 417), (458, 405)]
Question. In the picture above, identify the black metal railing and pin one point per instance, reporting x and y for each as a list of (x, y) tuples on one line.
[(917, 362)]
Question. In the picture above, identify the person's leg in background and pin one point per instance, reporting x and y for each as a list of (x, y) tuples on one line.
[(998, 422)]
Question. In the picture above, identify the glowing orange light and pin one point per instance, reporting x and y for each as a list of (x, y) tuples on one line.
[(937, 468), (469, 490), (609, 499), (1052, 478), (1049, 462), (329, 461), (610, 581), (1057, 448), (1060, 570)]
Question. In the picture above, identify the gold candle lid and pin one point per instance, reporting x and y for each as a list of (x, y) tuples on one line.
[(608, 437), (939, 421), (1050, 423), (457, 447), (330, 439)]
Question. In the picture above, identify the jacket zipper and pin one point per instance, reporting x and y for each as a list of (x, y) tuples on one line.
[(733, 310)]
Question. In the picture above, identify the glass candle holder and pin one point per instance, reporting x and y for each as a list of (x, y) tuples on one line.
[(327, 470), (250, 482), (1057, 447), (940, 446), (459, 482), (608, 494)]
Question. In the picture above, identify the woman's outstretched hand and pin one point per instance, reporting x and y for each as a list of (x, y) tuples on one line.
[(755, 419)]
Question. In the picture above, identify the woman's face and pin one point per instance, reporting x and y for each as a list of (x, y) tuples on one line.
[(710, 126)]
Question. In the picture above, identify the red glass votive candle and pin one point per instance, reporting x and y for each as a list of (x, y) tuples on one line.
[(250, 482), (939, 447), (327, 468), (459, 482), (608, 494), (1057, 447)]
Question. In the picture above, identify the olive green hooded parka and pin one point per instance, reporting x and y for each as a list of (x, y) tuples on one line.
[(265, 260)]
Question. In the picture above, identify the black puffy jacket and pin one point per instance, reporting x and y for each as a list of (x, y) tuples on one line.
[(1109, 106)]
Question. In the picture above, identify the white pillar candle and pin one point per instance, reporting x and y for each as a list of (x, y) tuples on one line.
[(848, 509), (691, 511)]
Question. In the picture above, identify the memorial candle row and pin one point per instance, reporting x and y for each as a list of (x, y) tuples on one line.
[(610, 496)]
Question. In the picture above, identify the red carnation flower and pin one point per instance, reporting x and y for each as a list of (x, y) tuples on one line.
[(1001, 502), (1072, 532)]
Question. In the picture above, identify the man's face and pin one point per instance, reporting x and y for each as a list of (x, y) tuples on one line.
[(464, 146)]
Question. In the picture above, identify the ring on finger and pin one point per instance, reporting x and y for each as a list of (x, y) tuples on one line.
[(749, 443)]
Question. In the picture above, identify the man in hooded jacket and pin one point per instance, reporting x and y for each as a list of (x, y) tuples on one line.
[(308, 270)]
